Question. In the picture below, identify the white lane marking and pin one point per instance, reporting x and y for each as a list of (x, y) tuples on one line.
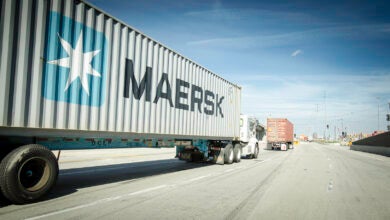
[(98, 202), (330, 185), (195, 179), (133, 193), (146, 190), (239, 168), (229, 170), (263, 161), (269, 159)]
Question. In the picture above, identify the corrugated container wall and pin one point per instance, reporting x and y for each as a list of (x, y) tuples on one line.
[(67, 65), (279, 130)]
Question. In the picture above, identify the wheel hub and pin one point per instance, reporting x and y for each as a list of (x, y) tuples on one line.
[(29, 173), (34, 174)]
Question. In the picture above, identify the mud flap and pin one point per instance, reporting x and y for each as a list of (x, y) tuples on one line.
[(221, 158)]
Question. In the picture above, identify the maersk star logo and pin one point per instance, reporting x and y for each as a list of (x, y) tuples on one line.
[(76, 56)]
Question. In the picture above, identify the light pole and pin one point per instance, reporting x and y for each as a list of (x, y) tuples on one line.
[(388, 119), (342, 128), (378, 112), (326, 126)]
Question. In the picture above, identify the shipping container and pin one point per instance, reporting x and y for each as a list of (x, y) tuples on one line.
[(280, 133), (75, 77), (65, 64)]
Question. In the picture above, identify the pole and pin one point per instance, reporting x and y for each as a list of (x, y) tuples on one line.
[(325, 115), (378, 112)]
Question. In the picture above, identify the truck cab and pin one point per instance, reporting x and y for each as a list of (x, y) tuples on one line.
[(251, 132)]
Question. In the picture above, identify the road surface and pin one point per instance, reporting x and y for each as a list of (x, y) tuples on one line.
[(312, 181)]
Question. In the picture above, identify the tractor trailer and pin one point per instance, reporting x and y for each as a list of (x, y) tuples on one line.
[(280, 134), (251, 132), (75, 77)]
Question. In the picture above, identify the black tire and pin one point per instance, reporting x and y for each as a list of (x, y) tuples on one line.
[(237, 153), (27, 173), (229, 156), (256, 153)]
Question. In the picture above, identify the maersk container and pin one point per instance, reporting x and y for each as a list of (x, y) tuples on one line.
[(74, 77)]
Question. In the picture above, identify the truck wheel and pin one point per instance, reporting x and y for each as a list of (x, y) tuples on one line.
[(2, 198), (27, 173), (237, 153), (229, 155), (256, 153)]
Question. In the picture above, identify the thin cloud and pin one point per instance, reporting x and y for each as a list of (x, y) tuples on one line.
[(234, 14), (296, 53), (312, 35)]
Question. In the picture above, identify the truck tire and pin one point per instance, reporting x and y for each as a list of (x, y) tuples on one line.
[(229, 155), (27, 173), (2, 198), (256, 153), (237, 153)]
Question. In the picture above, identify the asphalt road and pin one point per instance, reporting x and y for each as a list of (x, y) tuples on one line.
[(310, 182)]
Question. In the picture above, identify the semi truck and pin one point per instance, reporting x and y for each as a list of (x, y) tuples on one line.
[(74, 77), (280, 134), (251, 132)]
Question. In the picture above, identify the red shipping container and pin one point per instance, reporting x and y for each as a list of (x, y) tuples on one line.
[(279, 130)]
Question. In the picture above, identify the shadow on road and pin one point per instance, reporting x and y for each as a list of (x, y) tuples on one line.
[(3, 201), (70, 180)]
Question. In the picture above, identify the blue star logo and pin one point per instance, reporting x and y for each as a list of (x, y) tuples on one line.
[(75, 66)]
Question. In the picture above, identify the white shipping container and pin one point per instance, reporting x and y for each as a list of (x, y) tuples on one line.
[(69, 68)]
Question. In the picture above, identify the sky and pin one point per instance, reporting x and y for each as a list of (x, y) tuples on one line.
[(316, 63)]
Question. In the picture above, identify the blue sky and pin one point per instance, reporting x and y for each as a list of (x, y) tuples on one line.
[(309, 61)]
